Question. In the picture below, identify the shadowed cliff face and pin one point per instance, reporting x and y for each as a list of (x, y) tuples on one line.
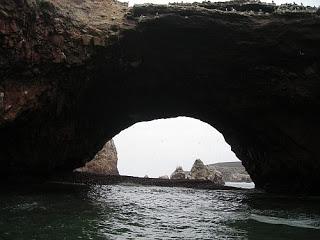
[(254, 77)]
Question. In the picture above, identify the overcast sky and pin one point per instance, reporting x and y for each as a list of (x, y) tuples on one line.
[(157, 147), (305, 2)]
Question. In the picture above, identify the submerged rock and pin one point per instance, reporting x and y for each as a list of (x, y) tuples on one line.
[(178, 174)]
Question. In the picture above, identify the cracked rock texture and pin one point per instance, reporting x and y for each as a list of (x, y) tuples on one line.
[(199, 171)]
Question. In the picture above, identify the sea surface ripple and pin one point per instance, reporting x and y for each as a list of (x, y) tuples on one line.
[(148, 212)]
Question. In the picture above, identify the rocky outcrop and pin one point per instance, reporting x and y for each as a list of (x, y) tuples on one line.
[(105, 162), (73, 74), (231, 171), (240, 178), (178, 173), (199, 171)]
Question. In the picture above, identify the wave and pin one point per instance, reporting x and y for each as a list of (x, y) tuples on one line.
[(301, 223)]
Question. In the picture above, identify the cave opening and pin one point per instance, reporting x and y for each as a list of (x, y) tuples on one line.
[(198, 61), (157, 148), (74, 74)]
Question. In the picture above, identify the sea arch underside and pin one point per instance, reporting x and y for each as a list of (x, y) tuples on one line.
[(68, 86)]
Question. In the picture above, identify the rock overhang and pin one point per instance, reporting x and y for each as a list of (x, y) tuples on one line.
[(252, 74)]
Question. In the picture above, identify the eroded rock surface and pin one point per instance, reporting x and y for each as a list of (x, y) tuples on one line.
[(73, 74), (231, 171), (199, 171), (104, 162), (178, 173)]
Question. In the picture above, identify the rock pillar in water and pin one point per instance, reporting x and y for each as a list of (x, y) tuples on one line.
[(105, 161)]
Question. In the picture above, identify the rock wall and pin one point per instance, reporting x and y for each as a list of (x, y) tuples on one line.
[(75, 73), (104, 162)]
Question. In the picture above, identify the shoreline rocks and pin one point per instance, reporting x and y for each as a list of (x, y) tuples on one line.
[(231, 171), (178, 173), (199, 171), (102, 179), (104, 162)]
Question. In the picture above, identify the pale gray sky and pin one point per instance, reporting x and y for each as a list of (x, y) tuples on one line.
[(305, 2), (157, 147)]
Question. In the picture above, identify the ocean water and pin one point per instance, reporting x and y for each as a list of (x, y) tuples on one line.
[(148, 212)]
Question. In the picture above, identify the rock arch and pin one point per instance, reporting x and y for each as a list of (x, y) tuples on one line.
[(69, 87)]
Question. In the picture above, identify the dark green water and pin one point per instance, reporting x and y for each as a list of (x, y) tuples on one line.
[(140, 212)]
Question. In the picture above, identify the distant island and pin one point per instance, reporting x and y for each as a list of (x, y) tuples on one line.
[(199, 171), (231, 171), (105, 162), (219, 173), (102, 169)]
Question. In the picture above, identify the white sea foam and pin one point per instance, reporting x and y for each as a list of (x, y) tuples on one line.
[(240, 184)]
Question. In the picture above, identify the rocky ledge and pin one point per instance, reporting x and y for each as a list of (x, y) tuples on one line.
[(75, 73)]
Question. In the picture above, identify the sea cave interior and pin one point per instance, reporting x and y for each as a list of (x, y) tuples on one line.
[(77, 77)]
